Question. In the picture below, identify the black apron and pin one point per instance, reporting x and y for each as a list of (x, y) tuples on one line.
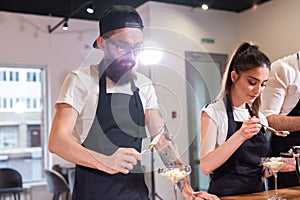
[(119, 122), (284, 144), (242, 172)]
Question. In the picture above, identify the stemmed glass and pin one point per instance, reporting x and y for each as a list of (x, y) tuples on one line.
[(175, 173), (274, 164)]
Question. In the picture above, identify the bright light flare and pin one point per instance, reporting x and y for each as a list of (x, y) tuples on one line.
[(150, 56)]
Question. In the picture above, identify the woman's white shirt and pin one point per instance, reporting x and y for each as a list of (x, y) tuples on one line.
[(217, 131)]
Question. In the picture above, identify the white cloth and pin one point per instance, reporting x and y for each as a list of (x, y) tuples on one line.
[(81, 90), (282, 91), (217, 132)]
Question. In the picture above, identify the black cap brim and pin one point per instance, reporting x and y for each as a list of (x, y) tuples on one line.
[(116, 17), (95, 45)]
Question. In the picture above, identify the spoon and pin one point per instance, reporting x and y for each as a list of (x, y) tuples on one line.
[(152, 144), (278, 133)]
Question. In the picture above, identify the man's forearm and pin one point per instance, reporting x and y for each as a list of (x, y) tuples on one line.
[(282, 122), (168, 151), (166, 146), (170, 155)]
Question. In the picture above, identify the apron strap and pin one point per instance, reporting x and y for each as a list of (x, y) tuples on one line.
[(141, 118)]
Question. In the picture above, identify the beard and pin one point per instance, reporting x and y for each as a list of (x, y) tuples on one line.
[(121, 71)]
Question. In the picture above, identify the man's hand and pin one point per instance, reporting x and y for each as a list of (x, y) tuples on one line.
[(290, 165), (123, 160)]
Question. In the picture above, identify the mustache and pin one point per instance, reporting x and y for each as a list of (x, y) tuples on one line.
[(128, 60), (120, 72)]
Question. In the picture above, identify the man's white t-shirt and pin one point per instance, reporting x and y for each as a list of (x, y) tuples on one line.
[(282, 91), (81, 90)]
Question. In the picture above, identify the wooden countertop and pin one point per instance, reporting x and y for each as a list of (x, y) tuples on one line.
[(292, 193)]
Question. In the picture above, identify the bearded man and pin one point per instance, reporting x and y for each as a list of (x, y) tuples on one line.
[(101, 115)]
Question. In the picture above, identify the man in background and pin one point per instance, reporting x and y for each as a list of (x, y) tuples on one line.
[(281, 105)]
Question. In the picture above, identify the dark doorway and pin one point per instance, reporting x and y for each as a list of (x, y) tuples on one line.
[(35, 135), (204, 74)]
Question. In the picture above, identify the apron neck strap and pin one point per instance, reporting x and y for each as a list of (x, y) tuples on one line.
[(228, 108)]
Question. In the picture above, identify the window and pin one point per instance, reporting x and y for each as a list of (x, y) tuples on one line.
[(34, 104), (4, 103), (13, 76), (8, 137), (27, 103), (23, 123), (17, 76), (2, 75), (32, 76), (10, 103)]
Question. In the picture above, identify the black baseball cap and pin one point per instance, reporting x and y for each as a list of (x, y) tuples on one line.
[(116, 17)]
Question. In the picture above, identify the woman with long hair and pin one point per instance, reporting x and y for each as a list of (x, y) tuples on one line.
[(232, 138)]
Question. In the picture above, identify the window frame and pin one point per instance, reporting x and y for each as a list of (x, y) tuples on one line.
[(44, 105)]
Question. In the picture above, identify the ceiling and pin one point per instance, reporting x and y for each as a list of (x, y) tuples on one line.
[(75, 8)]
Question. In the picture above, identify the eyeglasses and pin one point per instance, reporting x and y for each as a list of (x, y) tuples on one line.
[(125, 48)]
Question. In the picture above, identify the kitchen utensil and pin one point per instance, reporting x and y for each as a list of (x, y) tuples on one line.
[(152, 144), (278, 133)]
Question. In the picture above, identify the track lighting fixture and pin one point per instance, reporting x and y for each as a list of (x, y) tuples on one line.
[(89, 8), (65, 26), (204, 6), (63, 21)]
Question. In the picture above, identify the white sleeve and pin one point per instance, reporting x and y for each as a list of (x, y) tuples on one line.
[(282, 92), (274, 94), (147, 92), (217, 131), (151, 100), (209, 143), (263, 119), (73, 92)]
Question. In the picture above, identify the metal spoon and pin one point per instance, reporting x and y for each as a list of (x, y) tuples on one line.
[(278, 133), (152, 144)]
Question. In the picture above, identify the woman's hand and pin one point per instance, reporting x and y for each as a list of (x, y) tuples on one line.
[(189, 194), (249, 128), (204, 195)]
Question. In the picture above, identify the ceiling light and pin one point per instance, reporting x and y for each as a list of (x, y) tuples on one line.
[(64, 21), (254, 6), (204, 6), (90, 9), (65, 26)]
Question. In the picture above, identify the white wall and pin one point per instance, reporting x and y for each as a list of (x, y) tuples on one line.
[(25, 40), (273, 25)]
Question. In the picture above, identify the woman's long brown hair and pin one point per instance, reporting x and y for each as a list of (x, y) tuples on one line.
[(247, 56)]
